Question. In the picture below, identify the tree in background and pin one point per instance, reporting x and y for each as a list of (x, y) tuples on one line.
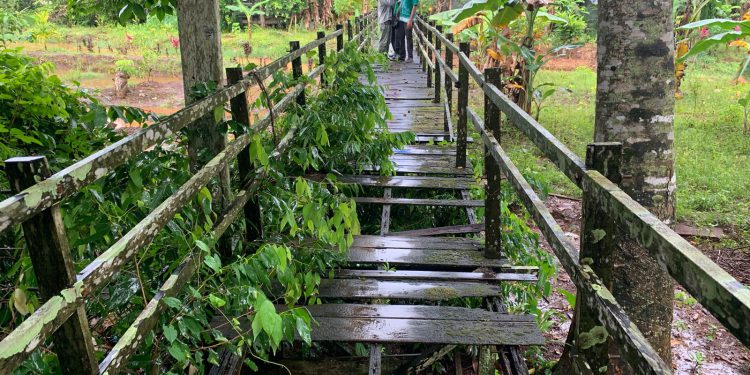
[(249, 12), (635, 106)]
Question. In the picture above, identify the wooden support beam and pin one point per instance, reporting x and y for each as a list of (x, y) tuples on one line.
[(438, 75), (297, 71), (322, 57), (463, 102), (53, 267), (241, 114), (448, 84), (375, 357), (340, 38), (493, 227)]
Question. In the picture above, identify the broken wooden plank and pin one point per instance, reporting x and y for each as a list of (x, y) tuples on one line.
[(419, 257), (434, 275), (453, 229), (421, 202), (411, 290), (691, 231)]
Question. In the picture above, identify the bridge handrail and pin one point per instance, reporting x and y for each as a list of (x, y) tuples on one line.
[(57, 310), (722, 295)]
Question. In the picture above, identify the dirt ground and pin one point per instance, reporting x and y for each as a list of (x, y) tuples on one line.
[(700, 345), (585, 56)]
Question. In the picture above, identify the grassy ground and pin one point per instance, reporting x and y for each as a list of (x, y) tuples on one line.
[(133, 41), (711, 150)]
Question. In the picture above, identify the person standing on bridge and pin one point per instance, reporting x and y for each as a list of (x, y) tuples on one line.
[(386, 21), (403, 42)]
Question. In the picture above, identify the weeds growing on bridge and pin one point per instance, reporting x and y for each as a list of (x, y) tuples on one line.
[(231, 303)]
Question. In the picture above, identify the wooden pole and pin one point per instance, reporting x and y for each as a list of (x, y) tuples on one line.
[(428, 37), (349, 31), (493, 221), (598, 242), (447, 81), (322, 57), (297, 71), (53, 266), (437, 65), (340, 38), (463, 102), (241, 114)]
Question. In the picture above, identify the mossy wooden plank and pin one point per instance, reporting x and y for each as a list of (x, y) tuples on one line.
[(412, 290), (434, 275), (341, 310), (420, 202), (460, 332), (424, 182), (420, 257), (401, 241), (440, 231)]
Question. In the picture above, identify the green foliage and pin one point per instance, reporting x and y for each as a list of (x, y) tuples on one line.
[(12, 24), (305, 221), (126, 66), (40, 115)]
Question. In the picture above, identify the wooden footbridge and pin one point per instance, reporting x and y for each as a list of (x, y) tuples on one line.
[(364, 301)]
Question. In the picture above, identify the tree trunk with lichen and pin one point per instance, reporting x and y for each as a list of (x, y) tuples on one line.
[(200, 49), (635, 106)]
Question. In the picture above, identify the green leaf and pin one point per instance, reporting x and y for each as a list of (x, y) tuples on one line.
[(213, 262), (216, 301), (203, 246), (179, 351), (282, 253), (170, 333), (711, 41), (172, 302), (303, 329)]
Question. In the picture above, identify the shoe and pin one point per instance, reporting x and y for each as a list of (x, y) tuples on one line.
[(410, 60), (392, 57)]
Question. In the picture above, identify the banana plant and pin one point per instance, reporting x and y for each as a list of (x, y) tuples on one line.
[(249, 12), (490, 23), (733, 33)]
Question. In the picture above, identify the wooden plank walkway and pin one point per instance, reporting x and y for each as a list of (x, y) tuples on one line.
[(382, 305)]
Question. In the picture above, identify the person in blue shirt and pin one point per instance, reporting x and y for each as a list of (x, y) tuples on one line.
[(403, 42)]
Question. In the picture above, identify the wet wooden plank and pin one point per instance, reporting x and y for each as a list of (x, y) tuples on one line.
[(385, 330), (341, 310), (439, 231), (434, 275), (426, 150), (422, 182), (427, 170), (412, 290), (420, 202), (400, 241), (422, 257)]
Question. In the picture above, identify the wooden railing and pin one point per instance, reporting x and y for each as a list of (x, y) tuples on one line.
[(606, 209), (38, 195)]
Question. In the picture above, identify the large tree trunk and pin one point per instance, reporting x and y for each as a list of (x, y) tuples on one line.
[(635, 106), (200, 49)]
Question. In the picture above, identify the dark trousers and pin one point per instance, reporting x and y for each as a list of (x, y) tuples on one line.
[(403, 42)]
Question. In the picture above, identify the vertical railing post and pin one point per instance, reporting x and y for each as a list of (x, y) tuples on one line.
[(427, 39), (598, 241), (297, 70), (53, 266), (492, 211), (463, 102), (241, 114), (447, 81), (357, 29), (322, 57), (438, 47), (349, 32), (422, 56), (340, 38)]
